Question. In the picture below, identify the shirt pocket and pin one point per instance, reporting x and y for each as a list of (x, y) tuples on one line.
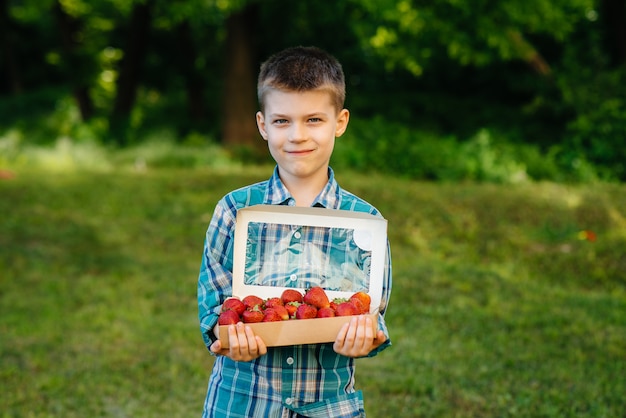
[(349, 405)]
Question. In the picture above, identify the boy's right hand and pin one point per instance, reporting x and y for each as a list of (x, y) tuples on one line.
[(243, 344)]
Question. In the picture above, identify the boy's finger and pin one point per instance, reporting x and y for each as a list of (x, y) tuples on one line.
[(369, 332), (261, 346), (242, 337), (361, 338), (351, 332), (216, 346), (341, 336), (251, 341), (233, 341)]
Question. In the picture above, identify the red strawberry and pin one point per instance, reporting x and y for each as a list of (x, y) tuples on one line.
[(271, 315), (252, 315), (291, 308), (291, 295), (282, 311), (305, 311), (365, 300), (251, 301), (335, 302), (346, 309), (317, 297), (272, 302), (229, 317), (358, 305), (326, 312), (234, 304)]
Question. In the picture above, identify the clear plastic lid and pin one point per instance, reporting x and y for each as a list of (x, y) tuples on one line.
[(280, 247), (303, 256)]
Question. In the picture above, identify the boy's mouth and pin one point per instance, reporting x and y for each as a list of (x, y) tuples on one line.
[(300, 152)]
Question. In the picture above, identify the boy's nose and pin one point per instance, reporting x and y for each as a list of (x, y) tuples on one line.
[(298, 132)]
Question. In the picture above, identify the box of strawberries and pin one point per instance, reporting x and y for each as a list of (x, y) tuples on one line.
[(299, 274)]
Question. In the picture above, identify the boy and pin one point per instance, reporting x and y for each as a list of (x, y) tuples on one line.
[(301, 94)]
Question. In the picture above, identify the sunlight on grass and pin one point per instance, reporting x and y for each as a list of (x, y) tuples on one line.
[(66, 155), (499, 308)]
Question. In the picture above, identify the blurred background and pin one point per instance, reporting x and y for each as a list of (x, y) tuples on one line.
[(447, 90), (490, 134)]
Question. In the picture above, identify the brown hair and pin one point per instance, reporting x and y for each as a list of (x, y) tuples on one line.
[(302, 69)]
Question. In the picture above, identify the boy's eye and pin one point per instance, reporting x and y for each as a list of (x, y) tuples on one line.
[(280, 121), (315, 120)]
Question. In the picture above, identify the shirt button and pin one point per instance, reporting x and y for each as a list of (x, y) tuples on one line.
[(297, 235), (290, 360), (293, 277), (288, 401)]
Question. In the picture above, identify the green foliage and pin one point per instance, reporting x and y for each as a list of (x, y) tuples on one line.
[(382, 146), (500, 306), (158, 152), (63, 142), (598, 129), (413, 34), (538, 77)]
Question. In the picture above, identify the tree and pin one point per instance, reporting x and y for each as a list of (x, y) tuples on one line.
[(614, 16), (238, 97), (194, 84), (75, 62), (544, 71), (129, 78), (8, 43)]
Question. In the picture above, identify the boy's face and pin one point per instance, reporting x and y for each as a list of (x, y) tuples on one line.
[(300, 129)]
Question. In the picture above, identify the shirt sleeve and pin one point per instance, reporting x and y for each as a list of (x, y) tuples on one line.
[(215, 278)]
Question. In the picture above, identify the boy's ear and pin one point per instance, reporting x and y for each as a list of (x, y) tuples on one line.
[(342, 122), (260, 123)]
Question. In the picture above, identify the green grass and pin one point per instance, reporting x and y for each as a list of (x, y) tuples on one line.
[(498, 308)]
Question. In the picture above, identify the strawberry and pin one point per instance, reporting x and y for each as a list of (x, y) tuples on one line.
[(326, 312), (252, 315), (305, 311), (346, 309), (365, 300), (335, 302), (233, 304), (282, 311), (271, 315), (291, 308), (291, 295), (272, 302), (251, 301), (317, 297), (228, 317), (358, 305)]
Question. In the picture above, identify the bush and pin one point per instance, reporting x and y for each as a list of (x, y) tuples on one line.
[(60, 139), (382, 146), (599, 128)]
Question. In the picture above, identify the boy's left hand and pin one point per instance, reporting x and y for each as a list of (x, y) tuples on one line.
[(243, 344), (357, 339)]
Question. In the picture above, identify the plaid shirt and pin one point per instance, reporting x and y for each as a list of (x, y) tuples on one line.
[(303, 380)]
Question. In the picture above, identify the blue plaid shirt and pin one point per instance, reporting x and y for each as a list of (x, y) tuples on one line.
[(303, 380)]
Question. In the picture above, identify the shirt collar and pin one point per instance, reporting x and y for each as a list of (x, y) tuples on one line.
[(277, 193)]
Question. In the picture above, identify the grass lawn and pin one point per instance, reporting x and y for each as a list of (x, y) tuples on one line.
[(502, 305)]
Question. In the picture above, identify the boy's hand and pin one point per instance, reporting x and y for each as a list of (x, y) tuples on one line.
[(243, 344), (357, 339)]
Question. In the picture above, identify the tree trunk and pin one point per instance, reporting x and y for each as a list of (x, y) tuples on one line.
[(238, 100), (68, 28), (194, 85), (130, 71), (7, 38), (614, 12)]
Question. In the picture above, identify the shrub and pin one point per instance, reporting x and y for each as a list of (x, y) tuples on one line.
[(383, 146)]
